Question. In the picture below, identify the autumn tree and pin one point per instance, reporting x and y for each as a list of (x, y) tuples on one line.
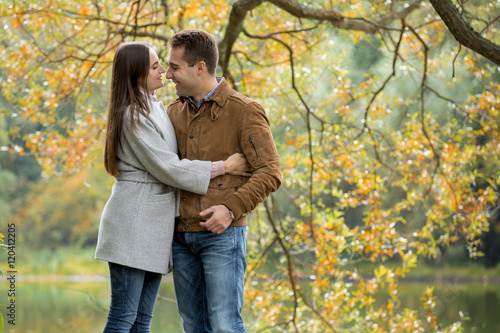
[(7, 179), (385, 114), (63, 212)]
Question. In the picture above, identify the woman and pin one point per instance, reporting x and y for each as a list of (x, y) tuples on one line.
[(136, 230)]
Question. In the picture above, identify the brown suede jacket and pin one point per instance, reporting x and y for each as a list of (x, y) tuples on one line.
[(226, 123)]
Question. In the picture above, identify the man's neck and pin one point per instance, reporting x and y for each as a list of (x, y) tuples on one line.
[(205, 88)]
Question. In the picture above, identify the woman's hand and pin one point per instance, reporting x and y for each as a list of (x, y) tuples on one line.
[(237, 165)]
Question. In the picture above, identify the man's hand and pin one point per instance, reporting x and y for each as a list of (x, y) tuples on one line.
[(237, 165), (219, 221)]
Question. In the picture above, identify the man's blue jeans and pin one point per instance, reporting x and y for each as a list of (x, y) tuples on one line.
[(209, 272), (133, 297)]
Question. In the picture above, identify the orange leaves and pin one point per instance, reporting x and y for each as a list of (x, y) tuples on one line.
[(251, 294), (85, 10), (15, 23), (365, 84), (365, 185), (16, 150), (71, 149)]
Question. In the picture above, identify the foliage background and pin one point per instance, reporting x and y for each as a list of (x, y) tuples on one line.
[(386, 126)]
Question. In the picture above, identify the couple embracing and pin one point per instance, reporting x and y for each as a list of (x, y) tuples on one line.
[(186, 178)]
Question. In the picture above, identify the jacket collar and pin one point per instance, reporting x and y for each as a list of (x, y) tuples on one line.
[(219, 98)]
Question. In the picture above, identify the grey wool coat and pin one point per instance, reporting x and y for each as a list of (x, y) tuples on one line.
[(137, 223)]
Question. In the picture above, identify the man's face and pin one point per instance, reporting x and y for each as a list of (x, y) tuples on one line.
[(184, 77)]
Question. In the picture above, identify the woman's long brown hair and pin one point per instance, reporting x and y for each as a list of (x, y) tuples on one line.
[(129, 77)]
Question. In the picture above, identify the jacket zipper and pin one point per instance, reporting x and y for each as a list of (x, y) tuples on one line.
[(251, 141)]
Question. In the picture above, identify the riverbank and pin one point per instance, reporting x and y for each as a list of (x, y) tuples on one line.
[(78, 264), (71, 278)]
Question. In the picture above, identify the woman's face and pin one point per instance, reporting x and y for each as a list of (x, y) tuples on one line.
[(154, 79)]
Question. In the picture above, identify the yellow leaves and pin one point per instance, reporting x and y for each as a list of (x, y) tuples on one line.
[(381, 271), (409, 262), (429, 303), (323, 283), (200, 15)]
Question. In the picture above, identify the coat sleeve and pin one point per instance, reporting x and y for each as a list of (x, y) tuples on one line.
[(160, 159), (258, 146)]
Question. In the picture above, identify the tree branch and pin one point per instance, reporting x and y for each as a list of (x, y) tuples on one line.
[(464, 33), (242, 7), (337, 19), (292, 276), (233, 29), (307, 121)]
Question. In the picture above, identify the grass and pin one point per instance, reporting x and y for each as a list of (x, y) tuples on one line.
[(467, 270), (63, 261)]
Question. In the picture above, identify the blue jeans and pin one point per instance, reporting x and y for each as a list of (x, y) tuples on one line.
[(209, 273), (133, 297)]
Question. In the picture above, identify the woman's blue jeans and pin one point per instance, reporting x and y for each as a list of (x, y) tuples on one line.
[(133, 297), (209, 272)]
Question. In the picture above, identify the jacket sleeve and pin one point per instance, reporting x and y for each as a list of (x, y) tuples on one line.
[(157, 157), (258, 146)]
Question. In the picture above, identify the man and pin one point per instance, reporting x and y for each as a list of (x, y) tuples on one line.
[(211, 122)]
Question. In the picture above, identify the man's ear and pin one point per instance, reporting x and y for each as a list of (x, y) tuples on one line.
[(201, 67)]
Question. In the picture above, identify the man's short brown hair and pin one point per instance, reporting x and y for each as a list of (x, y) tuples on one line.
[(198, 46)]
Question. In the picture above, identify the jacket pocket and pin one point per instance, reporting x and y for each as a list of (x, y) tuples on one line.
[(259, 148), (161, 193), (253, 145), (220, 189), (226, 182)]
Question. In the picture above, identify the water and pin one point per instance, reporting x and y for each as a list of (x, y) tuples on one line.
[(481, 303), (81, 307), (78, 307)]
